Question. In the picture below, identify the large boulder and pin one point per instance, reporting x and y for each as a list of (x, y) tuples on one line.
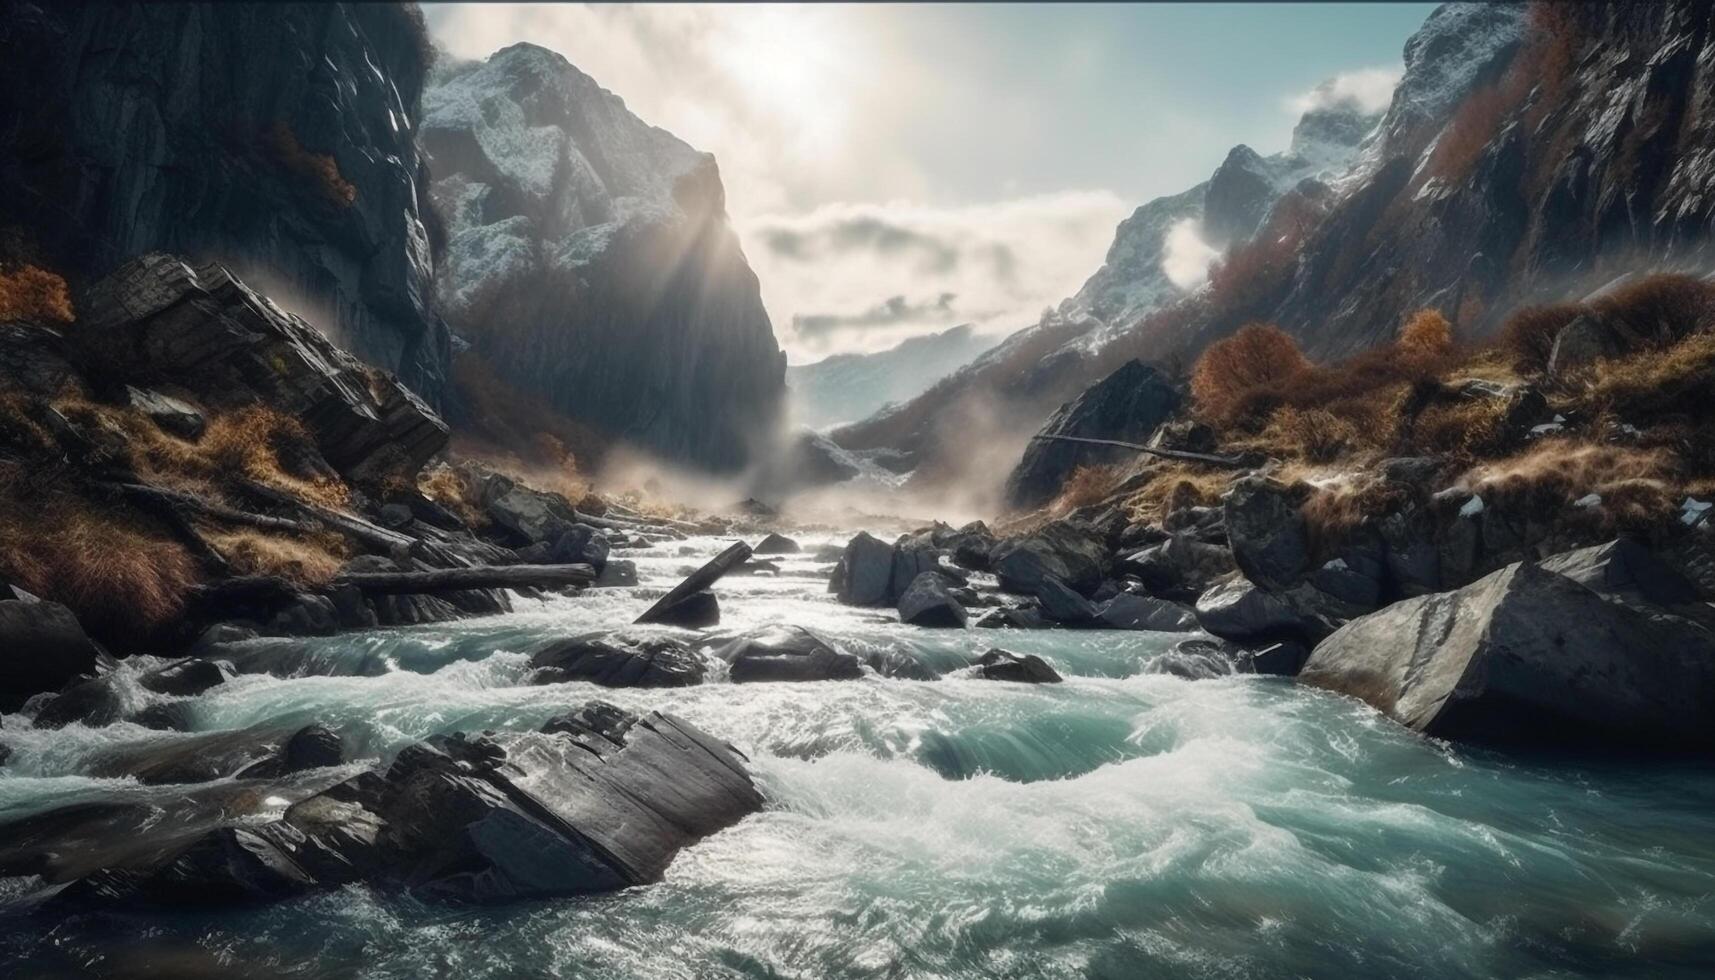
[(1266, 530), (927, 601), (1057, 550), (170, 414), (777, 544), (1526, 654), (619, 659), (1626, 569), (865, 571), (205, 331), (1127, 405), (601, 799), (1238, 610), (580, 544), (41, 648), (696, 611), (787, 653)]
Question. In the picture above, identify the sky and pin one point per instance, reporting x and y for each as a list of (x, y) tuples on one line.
[(896, 169)]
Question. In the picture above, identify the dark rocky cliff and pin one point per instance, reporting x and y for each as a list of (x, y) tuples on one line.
[(275, 138), (591, 264)]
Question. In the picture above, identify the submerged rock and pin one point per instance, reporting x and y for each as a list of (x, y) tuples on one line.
[(262, 752), (188, 677), (694, 612), (618, 659), (788, 653), (617, 574), (1023, 668), (1526, 654), (929, 602)]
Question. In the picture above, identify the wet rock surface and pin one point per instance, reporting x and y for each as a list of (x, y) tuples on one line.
[(618, 660)]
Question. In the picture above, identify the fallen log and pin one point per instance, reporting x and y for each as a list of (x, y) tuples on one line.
[(736, 554), (1230, 462), (472, 577), (208, 508)]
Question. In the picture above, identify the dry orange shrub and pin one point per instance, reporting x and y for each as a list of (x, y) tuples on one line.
[(33, 293)]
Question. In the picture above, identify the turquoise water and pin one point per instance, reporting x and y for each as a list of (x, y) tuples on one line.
[(1122, 824)]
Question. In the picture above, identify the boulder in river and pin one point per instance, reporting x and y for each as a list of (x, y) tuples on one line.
[(188, 677), (1239, 610), (251, 753), (616, 574), (788, 653), (694, 612), (42, 646), (1529, 655), (618, 659), (1180, 567), (929, 602), (1059, 550), (527, 516), (777, 544), (580, 544), (1024, 668)]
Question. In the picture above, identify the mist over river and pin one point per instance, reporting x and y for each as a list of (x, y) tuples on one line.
[(1121, 824)]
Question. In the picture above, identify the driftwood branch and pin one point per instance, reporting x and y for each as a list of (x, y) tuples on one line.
[(473, 577), (735, 555), (1208, 459), (208, 508)]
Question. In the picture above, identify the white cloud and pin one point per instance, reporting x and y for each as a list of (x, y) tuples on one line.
[(1185, 257), (834, 270), (1370, 88)]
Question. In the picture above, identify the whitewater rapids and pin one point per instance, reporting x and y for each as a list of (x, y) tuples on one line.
[(1121, 824)]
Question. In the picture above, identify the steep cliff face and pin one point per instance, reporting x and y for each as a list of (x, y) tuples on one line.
[(1583, 147), (277, 139), (590, 262)]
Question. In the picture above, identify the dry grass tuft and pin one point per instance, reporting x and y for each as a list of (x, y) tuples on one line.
[(1175, 486), (307, 562), (32, 293), (1639, 487), (122, 576), (1317, 435), (453, 488)]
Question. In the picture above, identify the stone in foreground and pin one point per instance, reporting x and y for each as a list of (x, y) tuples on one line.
[(1529, 655), (600, 799)]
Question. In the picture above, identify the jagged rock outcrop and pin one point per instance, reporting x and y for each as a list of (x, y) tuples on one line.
[(1127, 405), (276, 138), (203, 330), (590, 261), (1530, 655)]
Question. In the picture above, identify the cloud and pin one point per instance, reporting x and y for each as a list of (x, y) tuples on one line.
[(1369, 89), (889, 312), (1185, 257), (994, 265)]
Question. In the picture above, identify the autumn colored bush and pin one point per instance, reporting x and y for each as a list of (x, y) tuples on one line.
[(453, 488), (1624, 488), (116, 569), (1659, 309), (1259, 354), (1426, 335), (318, 169), (1317, 434), (30, 292), (1528, 334)]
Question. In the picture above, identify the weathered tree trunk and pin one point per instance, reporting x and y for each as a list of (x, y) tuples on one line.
[(697, 581)]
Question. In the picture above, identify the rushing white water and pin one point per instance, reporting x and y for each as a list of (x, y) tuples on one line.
[(1122, 824)]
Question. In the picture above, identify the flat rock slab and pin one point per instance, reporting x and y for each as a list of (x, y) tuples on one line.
[(788, 653)]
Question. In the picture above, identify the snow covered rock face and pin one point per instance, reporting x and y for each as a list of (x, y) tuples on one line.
[(276, 138), (590, 261)]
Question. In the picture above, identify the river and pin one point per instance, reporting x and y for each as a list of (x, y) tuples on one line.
[(1121, 824)]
